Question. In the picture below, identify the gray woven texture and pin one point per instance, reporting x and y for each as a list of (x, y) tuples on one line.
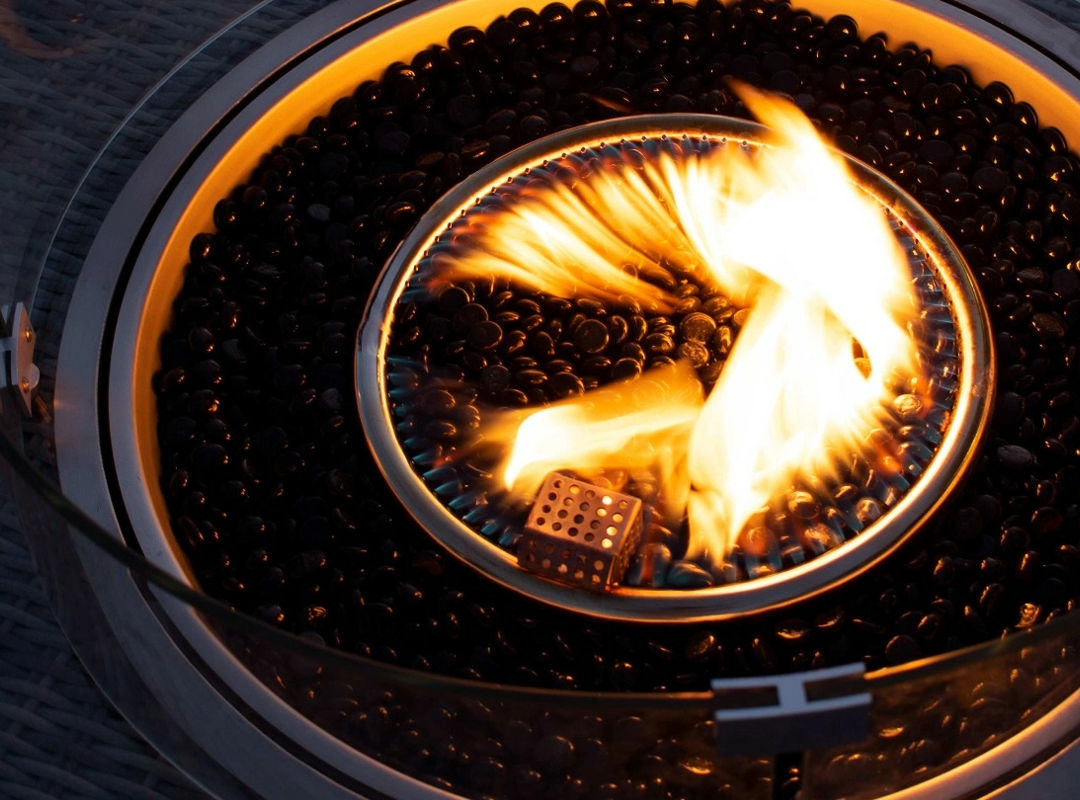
[(58, 737), (1066, 11), (86, 89)]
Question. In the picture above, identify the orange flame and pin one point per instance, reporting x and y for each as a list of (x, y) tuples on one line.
[(782, 227), (792, 390), (638, 424), (559, 239)]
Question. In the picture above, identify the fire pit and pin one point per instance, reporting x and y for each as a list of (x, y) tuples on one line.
[(429, 365), (242, 467)]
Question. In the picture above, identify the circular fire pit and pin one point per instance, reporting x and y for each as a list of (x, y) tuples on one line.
[(362, 718), (393, 381)]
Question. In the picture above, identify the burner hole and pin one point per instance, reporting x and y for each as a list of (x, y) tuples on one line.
[(541, 520), (611, 530), (562, 569), (589, 537), (606, 544), (598, 565), (557, 526)]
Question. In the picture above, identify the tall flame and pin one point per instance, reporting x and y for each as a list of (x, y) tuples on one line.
[(792, 390), (783, 228)]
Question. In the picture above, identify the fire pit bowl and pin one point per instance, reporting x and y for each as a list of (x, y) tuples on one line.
[(288, 713)]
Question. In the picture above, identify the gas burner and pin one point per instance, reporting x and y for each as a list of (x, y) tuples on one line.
[(422, 367)]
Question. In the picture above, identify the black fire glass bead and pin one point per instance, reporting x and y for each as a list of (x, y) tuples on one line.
[(697, 327), (485, 335), (591, 336)]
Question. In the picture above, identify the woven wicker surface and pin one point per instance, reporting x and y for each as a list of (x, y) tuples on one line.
[(86, 89), (58, 737)]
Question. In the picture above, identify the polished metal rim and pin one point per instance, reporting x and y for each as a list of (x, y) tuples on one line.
[(947, 468)]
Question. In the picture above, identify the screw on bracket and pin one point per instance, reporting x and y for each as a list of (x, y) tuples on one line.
[(19, 373), (789, 713)]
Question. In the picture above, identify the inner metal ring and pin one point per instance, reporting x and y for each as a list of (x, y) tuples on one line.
[(954, 454)]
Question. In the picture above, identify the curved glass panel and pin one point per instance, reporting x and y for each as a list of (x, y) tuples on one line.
[(484, 740)]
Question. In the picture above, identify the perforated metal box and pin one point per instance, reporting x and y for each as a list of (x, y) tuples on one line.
[(580, 533)]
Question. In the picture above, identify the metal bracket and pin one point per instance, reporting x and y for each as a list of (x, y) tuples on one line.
[(19, 373), (790, 713)]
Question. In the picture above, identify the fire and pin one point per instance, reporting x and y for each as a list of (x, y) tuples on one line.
[(634, 425), (624, 423), (783, 229), (792, 390), (558, 238)]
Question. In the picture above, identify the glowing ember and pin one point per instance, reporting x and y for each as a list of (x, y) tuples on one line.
[(783, 229)]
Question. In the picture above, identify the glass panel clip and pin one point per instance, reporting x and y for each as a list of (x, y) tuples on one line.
[(791, 713), (19, 373)]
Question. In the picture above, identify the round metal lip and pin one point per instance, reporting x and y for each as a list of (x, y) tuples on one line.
[(951, 461)]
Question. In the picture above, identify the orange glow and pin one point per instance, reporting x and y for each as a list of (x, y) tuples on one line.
[(782, 228)]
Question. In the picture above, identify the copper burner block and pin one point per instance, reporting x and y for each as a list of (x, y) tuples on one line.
[(580, 533)]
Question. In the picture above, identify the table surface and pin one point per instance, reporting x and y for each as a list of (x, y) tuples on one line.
[(72, 75)]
